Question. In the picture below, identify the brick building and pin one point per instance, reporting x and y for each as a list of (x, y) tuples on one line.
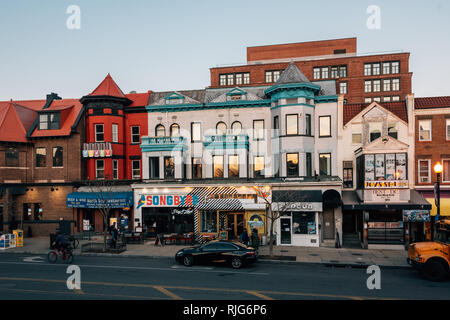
[(360, 78), (40, 161)]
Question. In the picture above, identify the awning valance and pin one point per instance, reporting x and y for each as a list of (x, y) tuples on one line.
[(97, 200), (221, 204)]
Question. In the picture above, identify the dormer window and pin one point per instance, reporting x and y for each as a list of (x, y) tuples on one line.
[(174, 98), (50, 121), (236, 94)]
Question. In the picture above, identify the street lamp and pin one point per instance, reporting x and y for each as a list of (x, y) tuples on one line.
[(438, 168)]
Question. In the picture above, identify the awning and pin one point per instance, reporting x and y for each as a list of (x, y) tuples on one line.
[(297, 196), (221, 204), (96, 200), (351, 202), (445, 206)]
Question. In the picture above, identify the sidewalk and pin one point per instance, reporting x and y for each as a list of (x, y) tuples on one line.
[(322, 255)]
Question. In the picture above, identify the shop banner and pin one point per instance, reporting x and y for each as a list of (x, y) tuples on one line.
[(416, 215), (96, 200), (167, 201), (396, 184)]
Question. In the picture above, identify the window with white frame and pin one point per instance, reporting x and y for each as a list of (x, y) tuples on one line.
[(99, 133), (375, 130), (356, 133), (343, 71), (424, 171), (135, 134), (387, 85), (99, 169), (447, 127), (325, 73), (376, 85), (446, 172), (367, 100), (367, 86), (396, 98), (367, 69), (223, 80), (386, 99), (136, 169), (377, 99), (115, 132), (316, 73), (395, 67), (115, 164), (343, 87), (395, 84), (425, 130), (375, 69), (334, 72), (386, 67)]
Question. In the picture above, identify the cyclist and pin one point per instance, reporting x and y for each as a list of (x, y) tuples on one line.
[(61, 243)]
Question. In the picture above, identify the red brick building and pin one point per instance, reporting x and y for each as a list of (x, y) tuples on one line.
[(432, 145), (360, 78)]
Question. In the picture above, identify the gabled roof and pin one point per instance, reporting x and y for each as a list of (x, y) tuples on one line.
[(14, 121), (292, 74), (432, 102), (397, 108), (108, 88), (139, 99)]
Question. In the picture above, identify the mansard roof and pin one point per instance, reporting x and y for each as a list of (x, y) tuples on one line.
[(292, 74)]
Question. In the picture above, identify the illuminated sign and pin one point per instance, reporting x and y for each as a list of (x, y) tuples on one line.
[(394, 184), (167, 201)]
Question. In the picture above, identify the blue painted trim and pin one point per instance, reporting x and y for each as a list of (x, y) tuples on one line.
[(304, 85), (224, 142), (292, 105), (236, 92), (326, 99), (174, 95), (152, 144), (208, 106)]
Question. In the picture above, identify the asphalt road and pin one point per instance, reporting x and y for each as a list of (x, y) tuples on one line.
[(32, 277)]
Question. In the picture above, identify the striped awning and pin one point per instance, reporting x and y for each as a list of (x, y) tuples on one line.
[(221, 204), (205, 192)]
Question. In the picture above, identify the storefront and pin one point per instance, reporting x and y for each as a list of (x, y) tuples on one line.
[(299, 217), (444, 208)]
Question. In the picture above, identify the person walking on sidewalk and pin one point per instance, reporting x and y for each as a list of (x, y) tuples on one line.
[(113, 235), (244, 237), (255, 239)]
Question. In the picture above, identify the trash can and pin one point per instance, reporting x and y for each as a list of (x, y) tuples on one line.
[(52, 239), (263, 240), (19, 238)]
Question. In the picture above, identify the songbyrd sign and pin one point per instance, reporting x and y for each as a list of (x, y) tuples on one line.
[(167, 201), (394, 184)]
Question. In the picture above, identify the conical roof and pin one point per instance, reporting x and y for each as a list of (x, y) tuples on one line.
[(292, 74), (108, 88)]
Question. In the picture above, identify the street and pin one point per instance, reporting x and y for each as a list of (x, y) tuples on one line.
[(32, 277)]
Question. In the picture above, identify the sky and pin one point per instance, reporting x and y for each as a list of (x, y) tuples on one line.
[(171, 44)]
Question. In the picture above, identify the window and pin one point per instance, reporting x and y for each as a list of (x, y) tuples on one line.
[(174, 130), (136, 169), (43, 122), (247, 78), (208, 221), (447, 128), (221, 129), (343, 71), (367, 69), (367, 100), (115, 164), (376, 69), (292, 165), (153, 168), (392, 130), (377, 99), (196, 131), (334, 72), (357, 134), (343, 88), (50, 121), (395, 67), (446, 172), (268, 76), (425, 130), (325, 164), (258, 129), (238, 78), (272, 76), (258, 167), (348, 174), (115, 133), (316, 72), (308, 164), (233, 166), (230, 79), (37, 211), (276, 75), (169, 168), (386, 67), (304, 222), (99, 133), (26, 211), (376, 85), (367, 86), (218, 166), (41, 154), (292, 124), (276, 126), (375, 130), (308, 125), (325, 127), (12, 157), (160, 131), (396, 98), (236, 127), (196, 168), (57, 156), (424, 171), (325, 73), (135, 134), (387, 85), (386, 99), (395, 84), (99, 169), (223, 80)]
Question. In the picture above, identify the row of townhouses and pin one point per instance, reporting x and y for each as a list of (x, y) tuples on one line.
[(333, 142)]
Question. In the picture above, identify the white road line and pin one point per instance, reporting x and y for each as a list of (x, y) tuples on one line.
[(144, 268)]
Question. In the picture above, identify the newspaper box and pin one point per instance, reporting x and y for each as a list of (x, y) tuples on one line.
[(19, 238), (5, 241)]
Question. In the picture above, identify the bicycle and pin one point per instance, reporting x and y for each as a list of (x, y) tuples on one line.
[(65, 254)]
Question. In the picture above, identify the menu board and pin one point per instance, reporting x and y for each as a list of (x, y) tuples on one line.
[(379, 167), (370, 169), (401, 166), (390, 167)]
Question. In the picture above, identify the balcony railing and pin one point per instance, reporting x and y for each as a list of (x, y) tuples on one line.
[(150, 144), (227, 141)]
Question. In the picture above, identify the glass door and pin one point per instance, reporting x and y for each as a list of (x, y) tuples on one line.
[(285, 225)]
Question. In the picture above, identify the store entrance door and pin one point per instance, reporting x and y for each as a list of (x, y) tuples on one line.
[(285, 224), (235, 225), (329, 229)]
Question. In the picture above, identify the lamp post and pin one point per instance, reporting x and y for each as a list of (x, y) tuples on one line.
[(438, 168)]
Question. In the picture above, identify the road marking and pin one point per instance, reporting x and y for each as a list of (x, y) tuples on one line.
[(33, 259), (263, 292), (259, 295), (152, 268), (190, 268), (167, 292)]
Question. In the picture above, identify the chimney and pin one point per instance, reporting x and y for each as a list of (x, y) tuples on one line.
[(50, 97)]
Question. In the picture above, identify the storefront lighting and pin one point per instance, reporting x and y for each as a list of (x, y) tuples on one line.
[(155, 190), (438, 168)]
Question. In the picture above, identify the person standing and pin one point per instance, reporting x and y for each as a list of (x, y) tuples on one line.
[(255, 239), (113, 235), (244, 237)]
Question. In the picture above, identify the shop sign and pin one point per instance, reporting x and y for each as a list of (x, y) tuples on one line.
[(167, 201), (255, 221), (416, 215), (86, 225), (297, 206), (182, 211), (384, 195), (394, 184)]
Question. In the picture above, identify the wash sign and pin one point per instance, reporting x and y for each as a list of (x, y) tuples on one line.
[(167, 201)]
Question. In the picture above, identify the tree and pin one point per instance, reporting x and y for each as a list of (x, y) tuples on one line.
[(266, 194), (104, 190)]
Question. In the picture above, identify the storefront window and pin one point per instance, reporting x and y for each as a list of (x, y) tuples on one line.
[(209, 221), (233, 166), (304, 223), (169, 168)]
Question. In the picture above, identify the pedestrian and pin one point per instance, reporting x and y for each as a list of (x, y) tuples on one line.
[(113, 235), (244, 237), (255, 239)]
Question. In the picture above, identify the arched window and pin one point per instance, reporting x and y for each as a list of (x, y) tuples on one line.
[(174, 130), (236, 127), (221, 128), (160, 130), (392, 131)]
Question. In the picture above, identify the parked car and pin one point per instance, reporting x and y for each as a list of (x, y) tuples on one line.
[(230, 252)]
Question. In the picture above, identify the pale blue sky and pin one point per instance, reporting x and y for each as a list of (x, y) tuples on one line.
[(170, 45)]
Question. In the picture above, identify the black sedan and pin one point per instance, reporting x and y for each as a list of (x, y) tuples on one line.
[(234, 253)]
